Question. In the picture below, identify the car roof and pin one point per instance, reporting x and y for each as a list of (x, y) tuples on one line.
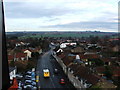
[(45, 70), (28, 81), (62, 79)]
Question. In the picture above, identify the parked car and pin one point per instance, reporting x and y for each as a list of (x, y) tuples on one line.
[(28, 87), (28, 77), (62, 81), (20, 83), (19, 88), (34, 83), (34, 88), (18, 76), (33, 79), (56, 71), (28, 73), (28, 82)]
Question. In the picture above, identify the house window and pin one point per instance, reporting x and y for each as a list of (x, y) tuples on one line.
[(12, 72), (76, 77), (74, 84), (68, 69), (16, 59), (71, 71), (85, 85), (22, 58), (81, 81), (88, 85)]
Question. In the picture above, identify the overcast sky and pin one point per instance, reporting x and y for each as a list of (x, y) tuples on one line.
[(61, 15)]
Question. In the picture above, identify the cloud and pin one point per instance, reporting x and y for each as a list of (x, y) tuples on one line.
[(63, 14), (35, 9), (55, 8), (87, 25)]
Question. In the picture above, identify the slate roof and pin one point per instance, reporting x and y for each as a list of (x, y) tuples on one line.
[(11, 69), (67, 60), (84, 73)]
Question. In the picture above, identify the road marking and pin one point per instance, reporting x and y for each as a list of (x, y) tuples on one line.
[(53, 75), (52, 82), (44, 66), (38, 87)]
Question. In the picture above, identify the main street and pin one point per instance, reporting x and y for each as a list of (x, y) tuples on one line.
[(46, 61)]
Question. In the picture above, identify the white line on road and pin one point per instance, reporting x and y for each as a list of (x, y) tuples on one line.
[(44, 66), (53, 75), (52, 82)]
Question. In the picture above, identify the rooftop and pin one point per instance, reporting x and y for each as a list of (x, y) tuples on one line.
[(11, 69)]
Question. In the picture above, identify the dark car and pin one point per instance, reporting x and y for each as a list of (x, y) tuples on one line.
[(28, 87), (28, 82), (62, 81), (56, 71)]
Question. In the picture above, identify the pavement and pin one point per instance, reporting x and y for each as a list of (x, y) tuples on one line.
[(46, 61)]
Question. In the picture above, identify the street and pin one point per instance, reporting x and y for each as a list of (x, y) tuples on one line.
[(46, 61)]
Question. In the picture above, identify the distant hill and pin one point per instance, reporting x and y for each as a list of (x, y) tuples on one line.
[(60, 34)]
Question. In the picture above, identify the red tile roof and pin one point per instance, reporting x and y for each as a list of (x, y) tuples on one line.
[(73, 66), (100, 69), (27, 49), (116, 73), (32, 50), (116, 70), (13, 41), (61, 55), (14, 85), (114, 39), (106, 59), (93, 79), (24, 50), (10, 57), (82, 56), (89, 56), (19, 55), (78, 50), (92, 56)]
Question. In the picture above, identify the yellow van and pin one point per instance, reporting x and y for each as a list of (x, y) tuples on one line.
[(46, 72)]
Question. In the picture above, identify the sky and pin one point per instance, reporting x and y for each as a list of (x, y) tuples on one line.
[(61, 15)]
